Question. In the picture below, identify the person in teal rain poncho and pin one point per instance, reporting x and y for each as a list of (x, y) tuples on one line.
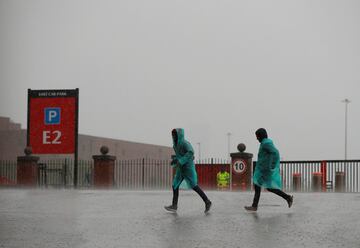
[(183, 161), (267, 170)]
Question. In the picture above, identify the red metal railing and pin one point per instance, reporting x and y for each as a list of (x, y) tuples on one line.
[(207, 174)]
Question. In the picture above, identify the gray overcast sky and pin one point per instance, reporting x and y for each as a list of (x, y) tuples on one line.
[(211, 67)]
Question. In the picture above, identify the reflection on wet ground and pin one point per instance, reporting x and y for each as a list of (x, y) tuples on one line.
[(98, 218)]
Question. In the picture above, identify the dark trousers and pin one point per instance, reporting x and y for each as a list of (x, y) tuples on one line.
[(275, 191), (197, 189)]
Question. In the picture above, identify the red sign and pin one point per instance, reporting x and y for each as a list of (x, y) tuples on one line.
[(52, 121)]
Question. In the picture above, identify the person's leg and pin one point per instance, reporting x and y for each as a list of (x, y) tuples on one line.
[(203, 196), (201, 193), (288, 198), (256, 196), (176, 184), (175, 197), (280, 193), (254, 206)]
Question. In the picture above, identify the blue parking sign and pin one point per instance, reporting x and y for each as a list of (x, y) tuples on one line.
[(52, 116)]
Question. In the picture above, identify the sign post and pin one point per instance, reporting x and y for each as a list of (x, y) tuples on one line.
[(53, 123), (241, 171)]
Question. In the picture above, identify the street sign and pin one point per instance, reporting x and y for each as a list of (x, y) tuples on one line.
[(52, 126), (239, 166), (53, 121)]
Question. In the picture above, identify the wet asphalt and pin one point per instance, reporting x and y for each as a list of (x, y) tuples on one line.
[(114, 218)]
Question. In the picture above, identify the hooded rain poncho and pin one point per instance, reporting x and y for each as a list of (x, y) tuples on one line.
[(267, 170), (185, 167)]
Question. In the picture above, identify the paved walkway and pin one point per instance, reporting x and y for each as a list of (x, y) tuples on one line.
[(96, 218)]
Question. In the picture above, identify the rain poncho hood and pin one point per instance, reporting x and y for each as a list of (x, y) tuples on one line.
[(184, 157), (180, 137), (267, 170)]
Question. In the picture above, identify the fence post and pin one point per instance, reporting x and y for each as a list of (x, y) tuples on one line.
[(143, 173), (317, 181), (64, 172), (104, 169), (339, 181), (27, 169), (323, 171), (296, 185), (241, 169)]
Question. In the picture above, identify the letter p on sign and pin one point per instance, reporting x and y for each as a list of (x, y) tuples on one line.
[(52, 116)]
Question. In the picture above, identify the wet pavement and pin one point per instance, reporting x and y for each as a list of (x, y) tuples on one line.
[(100, 218)]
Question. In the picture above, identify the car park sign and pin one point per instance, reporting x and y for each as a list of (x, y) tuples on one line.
[(52, 121)]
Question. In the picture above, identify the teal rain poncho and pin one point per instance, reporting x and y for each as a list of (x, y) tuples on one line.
[(267, 170), (185, 167)]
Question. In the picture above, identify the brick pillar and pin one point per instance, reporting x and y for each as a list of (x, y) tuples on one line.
[(296, 181), (27, 169), (104, 169), (316, 181), (241, 169), (339, 181)]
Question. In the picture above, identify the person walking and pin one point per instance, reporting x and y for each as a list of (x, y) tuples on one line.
[(183, 161), (267, 171)]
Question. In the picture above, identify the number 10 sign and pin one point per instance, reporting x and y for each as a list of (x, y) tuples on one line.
[(53, 121), (239, 166)]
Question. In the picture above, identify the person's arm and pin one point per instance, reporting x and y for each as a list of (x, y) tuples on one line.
[(188, 156), (271, 150), (174, 160)]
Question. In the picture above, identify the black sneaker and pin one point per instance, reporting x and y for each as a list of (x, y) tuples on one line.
[(251, 208), (171, 208), (207, 206), (290, 201)]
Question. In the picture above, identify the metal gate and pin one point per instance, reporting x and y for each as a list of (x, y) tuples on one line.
[(52, 175)]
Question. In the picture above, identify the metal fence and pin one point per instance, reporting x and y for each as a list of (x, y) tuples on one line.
[(51, 173), (207, 173), (60, 173), (7, 173), (157, 174), (332, 171), (211, 161), (143, 174), (129, 174)]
